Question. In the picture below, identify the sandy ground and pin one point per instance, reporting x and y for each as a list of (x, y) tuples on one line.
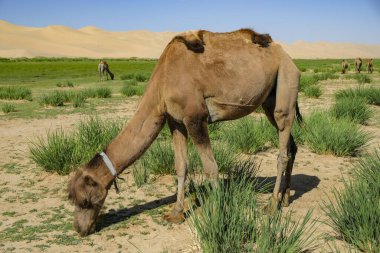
[(91, 42), (132, 220)]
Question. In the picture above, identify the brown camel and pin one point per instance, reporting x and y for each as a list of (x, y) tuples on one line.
[(200, 78), (358, 65), (369, 66), (344, 65)]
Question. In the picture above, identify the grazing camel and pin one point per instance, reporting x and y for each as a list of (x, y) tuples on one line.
[(358, 65), (344, 65), (200, 78), (369, 66), (103, 67)]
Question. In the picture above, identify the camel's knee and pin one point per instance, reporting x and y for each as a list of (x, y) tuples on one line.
[(280, 116)]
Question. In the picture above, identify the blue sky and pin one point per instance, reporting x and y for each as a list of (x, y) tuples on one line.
[(287, 21)]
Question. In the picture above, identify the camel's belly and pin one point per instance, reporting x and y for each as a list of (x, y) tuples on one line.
[(219, 111)]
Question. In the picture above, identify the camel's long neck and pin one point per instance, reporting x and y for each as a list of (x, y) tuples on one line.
[(139, 132)]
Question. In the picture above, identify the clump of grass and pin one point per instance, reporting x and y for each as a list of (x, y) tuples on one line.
[(65, 84), (159, 158), (15, 93), (354, 211), (360, 78), (142, 76), (306, 81), (371, 94), (248, 135), (130, 91), (101, 92), (230, 219), (78, 100), (313, 91), (325, 134), (58, 153), (355, 109), (131, 82), (56, 98), (140, 175), (7, 108), (310, 80), (62, 152), (139, 76), (127, 76)]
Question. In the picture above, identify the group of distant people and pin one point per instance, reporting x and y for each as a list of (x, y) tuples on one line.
[(358, 65), (104, 68)]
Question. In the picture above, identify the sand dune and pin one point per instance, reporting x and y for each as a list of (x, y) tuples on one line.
[(92, 42)]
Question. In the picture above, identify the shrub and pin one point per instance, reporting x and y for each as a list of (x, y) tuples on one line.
[(325, 134), (313, 91), (355, 109), (7, 108), (354, 212), (15, 93), (62, 152)]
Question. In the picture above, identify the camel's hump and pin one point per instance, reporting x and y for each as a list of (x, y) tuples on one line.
[(194, 39)]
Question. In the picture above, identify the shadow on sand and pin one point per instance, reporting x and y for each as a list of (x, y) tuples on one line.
[(301, 184)]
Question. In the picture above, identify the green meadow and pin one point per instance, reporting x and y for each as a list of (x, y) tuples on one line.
[(231, 217)]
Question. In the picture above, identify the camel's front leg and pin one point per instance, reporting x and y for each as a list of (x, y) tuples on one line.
[(179, 134), (197, 129)]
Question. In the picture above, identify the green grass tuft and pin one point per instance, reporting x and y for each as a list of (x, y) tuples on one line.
[(371, 94), (325, 134), (355, 109), (248, 135), (7, 108), (62, 152), (15, 93), (313, 91), (354, 212), (229, 218)]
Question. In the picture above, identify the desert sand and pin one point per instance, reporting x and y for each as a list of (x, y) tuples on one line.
[(92, 42)]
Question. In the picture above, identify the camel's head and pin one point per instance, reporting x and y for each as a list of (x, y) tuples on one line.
[(88, 195)]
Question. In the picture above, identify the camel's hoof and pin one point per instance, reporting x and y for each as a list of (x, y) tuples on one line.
[(271, 208), (175, 218), (285, 203)]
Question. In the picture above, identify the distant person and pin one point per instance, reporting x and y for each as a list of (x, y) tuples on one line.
[(344, 65), (104, 67), (358, 65), (370, 66)]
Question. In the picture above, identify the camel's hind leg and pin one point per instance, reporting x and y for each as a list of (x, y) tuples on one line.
[(280, 110), (179, 134)]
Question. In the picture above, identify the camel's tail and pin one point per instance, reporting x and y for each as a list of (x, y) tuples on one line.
[(298, 114), (110, 73)]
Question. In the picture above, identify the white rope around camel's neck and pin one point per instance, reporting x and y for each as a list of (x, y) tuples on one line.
[(109, 164)]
